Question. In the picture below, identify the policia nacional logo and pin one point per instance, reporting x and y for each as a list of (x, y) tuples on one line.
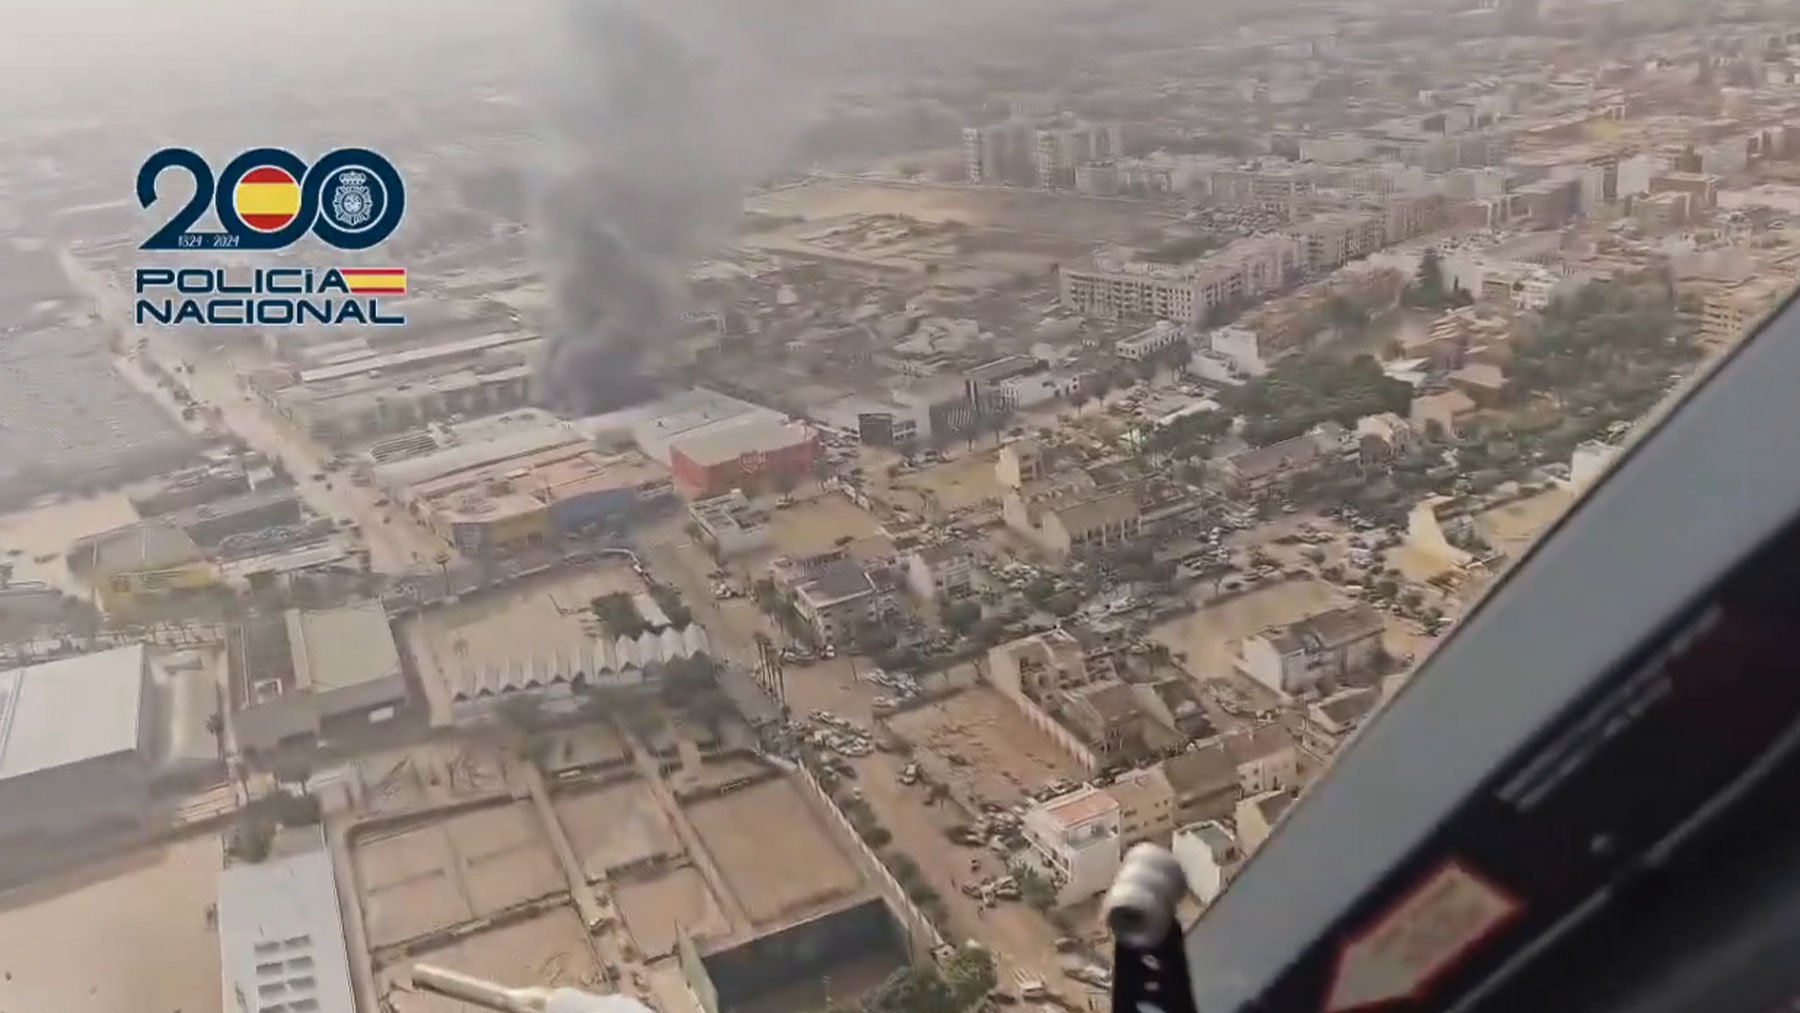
[(264, 200)]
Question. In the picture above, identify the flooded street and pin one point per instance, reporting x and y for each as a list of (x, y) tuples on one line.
[(129, 936)]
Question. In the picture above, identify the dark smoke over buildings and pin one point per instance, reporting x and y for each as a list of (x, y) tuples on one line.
[(660, 111)]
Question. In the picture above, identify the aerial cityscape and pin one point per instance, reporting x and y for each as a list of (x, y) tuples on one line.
[(842, 480)]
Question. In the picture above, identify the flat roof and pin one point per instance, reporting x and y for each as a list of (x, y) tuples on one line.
[(74, 709), (148, 546), (414, 356), (745, 434), (342, 647), (281, 932), (1079, 806), (462, 457)]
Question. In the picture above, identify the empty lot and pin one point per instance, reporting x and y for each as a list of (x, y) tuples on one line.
[(1002, 755), (653, 906), (615, 827), (776, 856), (427, 878), (550, 950)]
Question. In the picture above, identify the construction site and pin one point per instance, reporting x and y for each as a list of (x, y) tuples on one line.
[(602, 862)]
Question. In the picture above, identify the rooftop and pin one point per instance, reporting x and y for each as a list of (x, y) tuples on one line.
[(1213, 834), (751, 434), (342, 647), (150, 546), (63, 712), (1244, 747), (1083, 805), (281, 933), (1201, 770), (414, 356)]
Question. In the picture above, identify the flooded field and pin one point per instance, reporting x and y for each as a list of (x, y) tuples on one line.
[(549, 950), (47, 529), (1001, 754), (126, 937)]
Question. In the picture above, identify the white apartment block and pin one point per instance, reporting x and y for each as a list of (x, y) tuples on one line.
[(1077, 837), (1118, 289)]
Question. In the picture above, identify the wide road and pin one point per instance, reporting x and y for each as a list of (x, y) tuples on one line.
[(396, 544)]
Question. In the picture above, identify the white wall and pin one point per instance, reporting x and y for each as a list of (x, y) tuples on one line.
[(1205, 877)]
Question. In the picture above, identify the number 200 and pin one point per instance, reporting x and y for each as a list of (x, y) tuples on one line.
[(178, 232)]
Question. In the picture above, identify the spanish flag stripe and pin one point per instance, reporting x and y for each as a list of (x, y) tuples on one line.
[(267, 199)]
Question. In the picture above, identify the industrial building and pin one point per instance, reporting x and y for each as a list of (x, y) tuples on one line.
[(531, 499), (191, 487), (365, 391), (141, 564), (77, 746), (730, 525), (208, 524), (281, 931), (295, 675), (756, 454)]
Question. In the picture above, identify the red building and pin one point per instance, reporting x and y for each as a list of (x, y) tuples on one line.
[(756, 455)]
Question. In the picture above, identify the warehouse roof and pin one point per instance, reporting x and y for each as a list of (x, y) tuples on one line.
[(281, 932), (74, 709), (734, 438), (153, 545), (341, 647)]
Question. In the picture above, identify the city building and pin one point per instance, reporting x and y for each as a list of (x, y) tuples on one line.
[(1260, 469), (730, 525), (831, 592), (1702, 188), (1208, 855), (76, 746), (1331, 240), (1330, 721), (756, 454), (519, 501), (1204, 779), (1105, 714), (142, 564), (1230, 357), (1728, 313), (942, 570), (1076, 837), (1384, 438), (1001, 153), (305, 673), (1444, 416), (1255, 818), (348, 408), (1483, 382), (1264, 756), (1332, 645), (281, 931), (1116, 288), (1152, 341), (1058, 150), (1146, 806), (1072, 523)]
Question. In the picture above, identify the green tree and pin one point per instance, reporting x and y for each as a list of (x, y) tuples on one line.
[(971, 975), (962, 616), (913, 990)]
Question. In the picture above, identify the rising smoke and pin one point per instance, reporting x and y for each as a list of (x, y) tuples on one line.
[(660, 112)]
